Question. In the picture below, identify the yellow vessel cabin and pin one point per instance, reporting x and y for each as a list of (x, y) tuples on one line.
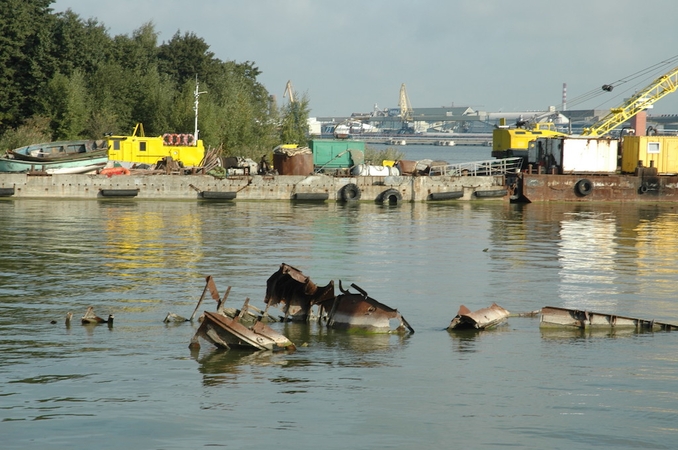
[(507, 142), (141, 149)]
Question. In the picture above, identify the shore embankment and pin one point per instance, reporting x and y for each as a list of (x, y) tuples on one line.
[(317, 187)]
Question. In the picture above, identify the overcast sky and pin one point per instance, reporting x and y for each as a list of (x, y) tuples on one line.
[(490, 55)]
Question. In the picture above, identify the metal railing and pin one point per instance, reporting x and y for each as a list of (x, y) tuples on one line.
[(479, 168)]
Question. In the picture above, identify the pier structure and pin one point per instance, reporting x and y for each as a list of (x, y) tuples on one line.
[(314, 187)]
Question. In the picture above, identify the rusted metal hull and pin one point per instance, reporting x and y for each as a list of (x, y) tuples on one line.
[(296, 291), (479, 320), (350, 310), (574, 318), (531, 187), (225, 332)]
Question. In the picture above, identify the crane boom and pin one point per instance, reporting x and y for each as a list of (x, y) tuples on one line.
[(289, 91), (641, 100), (404, 104)]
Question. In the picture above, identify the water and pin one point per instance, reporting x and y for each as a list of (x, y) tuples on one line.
[(453, 155), (137, 384)]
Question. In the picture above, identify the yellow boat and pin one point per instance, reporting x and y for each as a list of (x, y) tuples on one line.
[(141, 149)]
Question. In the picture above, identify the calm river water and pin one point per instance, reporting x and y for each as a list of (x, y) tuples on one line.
[(136, 385)]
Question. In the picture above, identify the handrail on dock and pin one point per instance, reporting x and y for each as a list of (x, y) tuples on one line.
[(479, 168)]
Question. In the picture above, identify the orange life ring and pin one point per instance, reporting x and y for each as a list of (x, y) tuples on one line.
[(167, 139)]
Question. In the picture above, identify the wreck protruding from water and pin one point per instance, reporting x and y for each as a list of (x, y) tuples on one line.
[(296, 292), (554, 317), (350, 310), (226, 332), (481, 319)]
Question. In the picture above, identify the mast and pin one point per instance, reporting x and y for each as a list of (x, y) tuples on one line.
[(195, 108)]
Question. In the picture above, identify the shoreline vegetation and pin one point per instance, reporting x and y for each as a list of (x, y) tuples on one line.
[(66, 78)]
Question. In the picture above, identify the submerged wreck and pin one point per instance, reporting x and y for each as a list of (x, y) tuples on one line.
[(290, 287), (481, 319), (350, 310), (91, 318), (226, 332), (555, 317), (296, 292)]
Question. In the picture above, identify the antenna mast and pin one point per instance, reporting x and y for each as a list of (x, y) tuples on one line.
[(195, 108)]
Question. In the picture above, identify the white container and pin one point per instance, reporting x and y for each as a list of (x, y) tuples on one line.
[(364, 170), (574, 155)]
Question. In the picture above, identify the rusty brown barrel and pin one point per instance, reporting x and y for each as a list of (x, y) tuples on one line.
[(293, 161)]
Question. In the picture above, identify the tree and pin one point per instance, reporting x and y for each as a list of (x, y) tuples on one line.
[(24, 58), (294, 121), (66, 103), (185, 57)]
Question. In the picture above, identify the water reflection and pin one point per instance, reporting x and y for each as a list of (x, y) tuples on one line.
[(225, 366), (317, 346), (467, 340), (565, 335)]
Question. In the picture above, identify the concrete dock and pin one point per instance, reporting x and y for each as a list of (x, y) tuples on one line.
[(318, 187)]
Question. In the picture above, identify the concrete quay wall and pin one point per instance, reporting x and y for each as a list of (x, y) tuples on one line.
[(256, 187)]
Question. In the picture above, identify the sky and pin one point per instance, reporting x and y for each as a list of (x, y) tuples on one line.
[(495, 56)]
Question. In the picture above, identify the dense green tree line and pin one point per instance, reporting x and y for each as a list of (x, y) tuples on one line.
[(62, 77)]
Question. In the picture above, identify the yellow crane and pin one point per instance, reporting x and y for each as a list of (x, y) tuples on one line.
[(404, 104), (289, 91), (641, 100)]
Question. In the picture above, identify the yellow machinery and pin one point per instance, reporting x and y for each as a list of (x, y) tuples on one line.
[(640, 101), (405, 106), (140, 149), (515, 141), (508, 142)]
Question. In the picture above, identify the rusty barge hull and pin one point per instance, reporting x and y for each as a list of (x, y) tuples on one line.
[(531, 187), (556, 317)]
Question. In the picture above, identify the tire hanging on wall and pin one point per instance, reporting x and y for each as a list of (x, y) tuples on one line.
[(350, 193), (391, 196), (583, 187)]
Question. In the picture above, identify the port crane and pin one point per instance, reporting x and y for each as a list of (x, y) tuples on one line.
[(289, 91), (405, 106), (641, 100)]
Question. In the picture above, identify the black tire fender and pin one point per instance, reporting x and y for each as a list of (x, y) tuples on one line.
[(583, 187), (391, 196), (350, 193)]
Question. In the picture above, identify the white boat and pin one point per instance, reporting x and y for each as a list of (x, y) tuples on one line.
[(91, 168)]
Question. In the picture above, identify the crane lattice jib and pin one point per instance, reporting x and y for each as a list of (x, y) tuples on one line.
[(404, 104), (641, 100)]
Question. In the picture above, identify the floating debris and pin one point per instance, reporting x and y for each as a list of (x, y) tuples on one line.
[(90, 317), (552, 316), (350, 310), (226, 332), (481, 319), (296, 291)]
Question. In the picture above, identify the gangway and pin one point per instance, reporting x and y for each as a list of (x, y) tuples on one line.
[(479, 168)]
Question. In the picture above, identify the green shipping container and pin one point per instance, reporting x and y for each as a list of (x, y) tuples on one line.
[(337, 153)]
